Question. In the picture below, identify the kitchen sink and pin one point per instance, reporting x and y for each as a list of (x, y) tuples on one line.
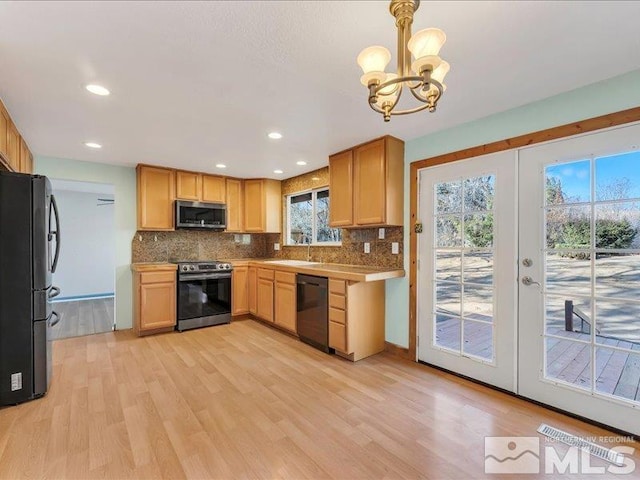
[(293, 263)]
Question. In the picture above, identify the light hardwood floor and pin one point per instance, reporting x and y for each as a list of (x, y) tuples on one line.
[(83, 317), (245, 401)]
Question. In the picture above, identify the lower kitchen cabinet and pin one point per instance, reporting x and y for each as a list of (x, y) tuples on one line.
[(264, 294), (154, 298), (240, 290), (285, 300), (356, 318)]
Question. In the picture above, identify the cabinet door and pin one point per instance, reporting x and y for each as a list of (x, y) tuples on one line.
[(285, 305), (157, 305), (235, 207), (188, 185), (265, 299), (13, 147), (369, 168), (4, 126), (341, 188), (156, 194), (254, 219), (253, 290), (25, 157), (240, 291), (213, 189)]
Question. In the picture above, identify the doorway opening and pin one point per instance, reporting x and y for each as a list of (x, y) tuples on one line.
[(86, 269)]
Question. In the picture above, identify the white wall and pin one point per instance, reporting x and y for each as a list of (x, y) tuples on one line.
[(87, 254), (124, 181)]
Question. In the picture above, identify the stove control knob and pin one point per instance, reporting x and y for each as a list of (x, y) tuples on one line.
[(192, 268), (185, 268)]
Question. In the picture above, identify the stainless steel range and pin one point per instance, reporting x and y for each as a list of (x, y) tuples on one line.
[(204, 294)]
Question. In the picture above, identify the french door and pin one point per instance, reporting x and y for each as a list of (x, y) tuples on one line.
[(529, 272), (467, 273), (579, 302)]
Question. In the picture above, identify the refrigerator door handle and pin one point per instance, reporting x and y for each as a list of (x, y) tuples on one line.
[(58, 317), (55, 291), (55, 232)]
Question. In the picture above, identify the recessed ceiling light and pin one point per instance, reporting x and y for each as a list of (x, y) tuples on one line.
[(98, 90), (301, 162), (278, 171), (92, 145), (275, 135), (220, 165), (315, 179)]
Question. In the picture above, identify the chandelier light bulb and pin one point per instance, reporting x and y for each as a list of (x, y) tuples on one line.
[(389, 93), (373, 61), (440, 72)]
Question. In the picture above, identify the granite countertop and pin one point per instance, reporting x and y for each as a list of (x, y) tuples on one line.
[(153, 266), (356, 273)]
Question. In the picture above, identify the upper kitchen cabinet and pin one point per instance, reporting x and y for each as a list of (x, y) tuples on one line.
[(341, 186), (188, 185), (262, 205), (234, 200), (14, 152), (13, 147), (200, 187), (26, 158), (156, 193), (374, 196), (4, 127)]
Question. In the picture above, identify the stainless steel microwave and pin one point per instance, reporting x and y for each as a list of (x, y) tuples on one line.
[(201, 215)]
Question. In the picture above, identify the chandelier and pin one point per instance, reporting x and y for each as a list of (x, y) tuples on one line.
[(423, 78)]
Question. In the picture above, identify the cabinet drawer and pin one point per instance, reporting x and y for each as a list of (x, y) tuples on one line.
[(265, 273), (338, 337), (337, 315), (337, 301), (286, 277), (337, 286), (157, 277)]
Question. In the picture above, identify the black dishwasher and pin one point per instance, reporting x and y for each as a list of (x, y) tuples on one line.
[(312, 311)]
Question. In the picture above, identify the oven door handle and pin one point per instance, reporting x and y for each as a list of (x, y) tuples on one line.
[(187, 278)]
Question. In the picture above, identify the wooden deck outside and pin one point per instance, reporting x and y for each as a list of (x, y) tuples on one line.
[(617, 372)]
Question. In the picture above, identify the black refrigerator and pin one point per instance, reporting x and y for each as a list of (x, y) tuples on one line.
[(29, 252)]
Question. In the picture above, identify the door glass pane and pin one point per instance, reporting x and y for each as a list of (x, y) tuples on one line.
[(568, 273), (478, 267), (569, 227), (479, 193), (568, 316), (478, 230), (478, 303), (448, 232), (618, 275), (448, 298), (447, 332), (618, 373), (568, 182), (448, 266), (618, 177), (478, 339), (568, 361), (617, 225), (618, 323), (449, 197)]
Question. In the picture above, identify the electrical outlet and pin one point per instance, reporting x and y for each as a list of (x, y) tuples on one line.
[(381, 234), (367, 247), (395, 248), (276, 246)]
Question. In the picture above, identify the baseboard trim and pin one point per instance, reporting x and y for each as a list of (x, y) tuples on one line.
[(398, 351)]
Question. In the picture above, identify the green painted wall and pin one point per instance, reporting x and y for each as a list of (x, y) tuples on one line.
[(618, 93), (124, 181)]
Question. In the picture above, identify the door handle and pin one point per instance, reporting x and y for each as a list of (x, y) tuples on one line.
[(528, 281)]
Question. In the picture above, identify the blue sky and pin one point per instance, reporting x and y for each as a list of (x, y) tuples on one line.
[(575, 177)]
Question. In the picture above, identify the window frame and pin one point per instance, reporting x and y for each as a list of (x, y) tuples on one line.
[(314, 227)]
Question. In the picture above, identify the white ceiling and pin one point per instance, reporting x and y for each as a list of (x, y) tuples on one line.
[(199, 83)]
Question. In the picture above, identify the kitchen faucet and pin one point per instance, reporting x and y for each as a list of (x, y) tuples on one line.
[(308, 249)]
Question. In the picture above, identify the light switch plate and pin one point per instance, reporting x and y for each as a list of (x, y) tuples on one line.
[(395, 248), (381, 234), (276, 246), (367, 247)]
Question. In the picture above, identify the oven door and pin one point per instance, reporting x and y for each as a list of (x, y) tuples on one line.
[(204, 295)]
